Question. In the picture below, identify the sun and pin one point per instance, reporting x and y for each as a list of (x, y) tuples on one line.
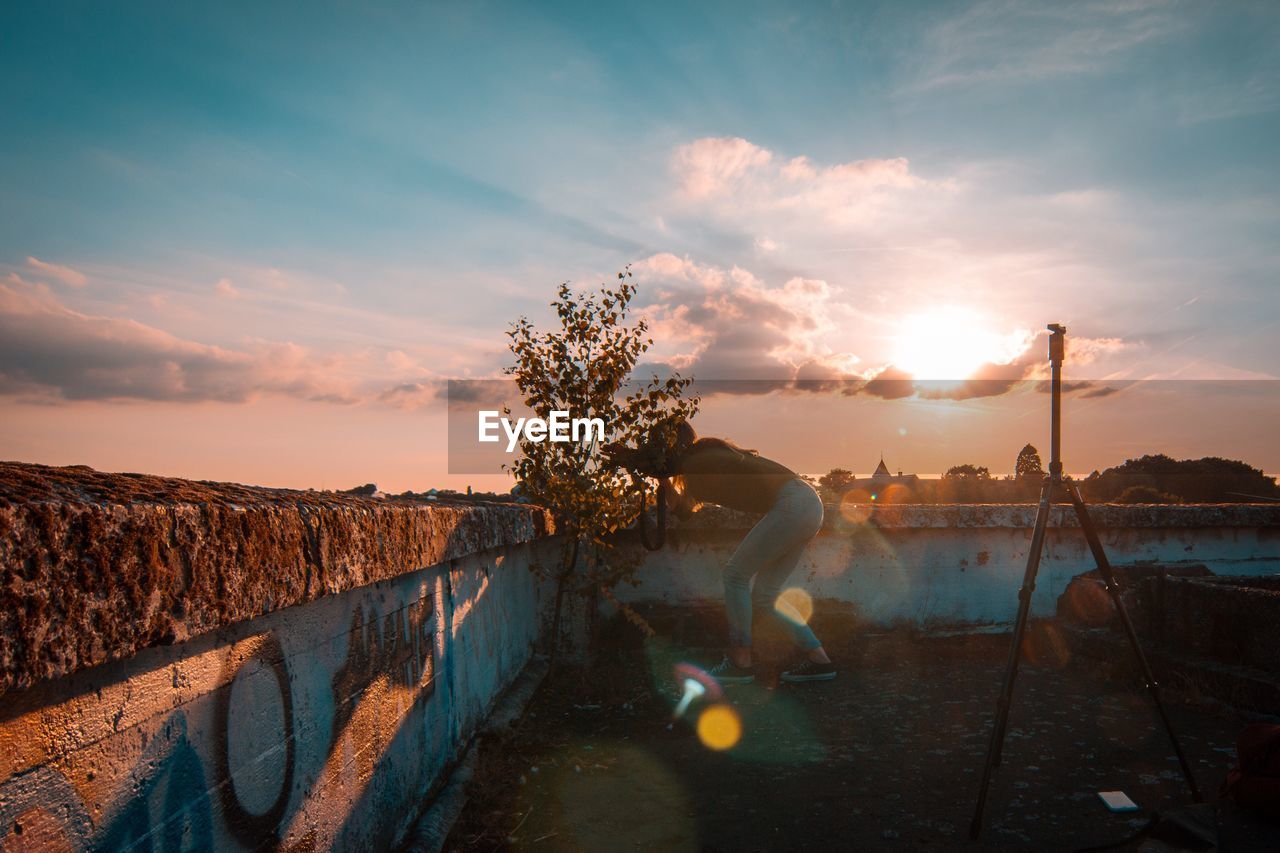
[(951, 343)]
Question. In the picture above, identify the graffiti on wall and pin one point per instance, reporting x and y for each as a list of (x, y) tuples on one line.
[(233, 779), (390, 663), (163, 803), (252, 825)]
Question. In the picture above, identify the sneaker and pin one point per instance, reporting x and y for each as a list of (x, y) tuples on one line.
[(810, 671), (727, 672)]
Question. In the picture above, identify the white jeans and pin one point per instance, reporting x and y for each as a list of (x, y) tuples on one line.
[(769, 554)]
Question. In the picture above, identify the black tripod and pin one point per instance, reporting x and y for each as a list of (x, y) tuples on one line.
[(1055, 483)]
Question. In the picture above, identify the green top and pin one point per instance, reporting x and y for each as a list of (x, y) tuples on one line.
[(744, 481)]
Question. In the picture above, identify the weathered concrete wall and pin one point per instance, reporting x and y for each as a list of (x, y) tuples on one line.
[(98, 566), (1228, 619), (961, 565), (313, 726)]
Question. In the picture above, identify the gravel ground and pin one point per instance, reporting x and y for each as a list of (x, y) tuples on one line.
[(887, 755)]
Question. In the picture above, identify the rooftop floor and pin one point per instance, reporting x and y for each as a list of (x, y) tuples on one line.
[(887, 755)]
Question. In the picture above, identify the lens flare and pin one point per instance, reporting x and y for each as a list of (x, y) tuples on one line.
[(855, 506), (692, 690), (895, 493), (795, 605), (1045, 645), (695, 684), (719, 728)]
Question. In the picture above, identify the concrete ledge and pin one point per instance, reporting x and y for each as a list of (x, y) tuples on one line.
[(945, 566), (95, 567), (923, 516)]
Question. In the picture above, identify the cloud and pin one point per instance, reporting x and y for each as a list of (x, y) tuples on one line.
[(741, 176), (66, 275), (711, 165), (894, 242), (49, 351), (735, 334), (1083, 350), (476, 392), (988, 380), (1100, 391), (226, 289), (891, 383), (1028, 369), (1025, 371), (413, 395), (1231, 98), (1083, 201), (719, 324), (1000, 41)]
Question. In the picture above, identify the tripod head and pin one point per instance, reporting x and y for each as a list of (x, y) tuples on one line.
[(1057, 342)]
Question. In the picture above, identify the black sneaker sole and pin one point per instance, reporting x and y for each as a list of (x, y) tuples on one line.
[(799, 679), (734, 679)]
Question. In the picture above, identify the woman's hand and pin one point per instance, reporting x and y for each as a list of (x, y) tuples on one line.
[(619, 455), (642, 460), (681, 504)]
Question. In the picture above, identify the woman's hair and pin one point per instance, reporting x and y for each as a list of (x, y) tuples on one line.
[(686, 439), (660, 453), (709, 442), (686, 435)]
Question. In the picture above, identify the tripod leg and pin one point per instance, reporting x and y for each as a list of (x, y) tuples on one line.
[(1108, 576), (996, 746)]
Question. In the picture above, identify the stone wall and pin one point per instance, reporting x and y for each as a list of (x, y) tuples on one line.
[(191, 666), (1233, 620)]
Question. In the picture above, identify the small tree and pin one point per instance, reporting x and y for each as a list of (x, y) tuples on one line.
[(1028, 468), (837, 481), (969, 473), (964, 483), (584, 367)]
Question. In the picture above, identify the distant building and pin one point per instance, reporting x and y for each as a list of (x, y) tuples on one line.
[(881, 480)]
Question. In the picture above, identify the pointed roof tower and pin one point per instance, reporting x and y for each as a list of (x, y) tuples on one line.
[(882, 472)]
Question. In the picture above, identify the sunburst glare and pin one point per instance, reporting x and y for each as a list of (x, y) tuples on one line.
[(952, 343)]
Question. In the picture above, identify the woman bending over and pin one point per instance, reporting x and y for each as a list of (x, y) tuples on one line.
[(715, 471)]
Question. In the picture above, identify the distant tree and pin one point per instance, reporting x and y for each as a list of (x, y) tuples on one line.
[(1208, 480), (967, 472), (1028, 474), (836, 482), (1028, 467), (964, 484)]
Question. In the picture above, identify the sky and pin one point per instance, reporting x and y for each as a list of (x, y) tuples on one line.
[(250, 241)]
